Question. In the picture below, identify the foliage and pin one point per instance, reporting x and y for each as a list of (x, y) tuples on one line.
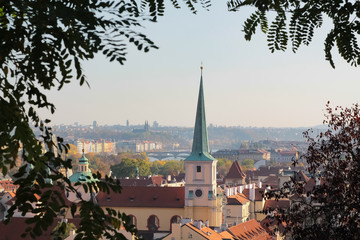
[(223, 166), (127, 168), (42, 46), (247, 164), (172, 167), (62, 230), (302, 18), (329, 208)]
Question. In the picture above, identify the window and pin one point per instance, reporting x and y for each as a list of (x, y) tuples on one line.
[(174, 219), (153, 223), (191, 194), (210, 195), (132, 220), (198, 168), (198, 193)]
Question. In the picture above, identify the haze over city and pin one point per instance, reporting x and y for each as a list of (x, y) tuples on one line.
[(244, 83)]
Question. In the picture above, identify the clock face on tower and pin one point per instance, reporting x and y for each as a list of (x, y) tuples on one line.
[(198, 193)]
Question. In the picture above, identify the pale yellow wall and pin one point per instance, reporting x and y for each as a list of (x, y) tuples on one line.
[(188, 233), (211, 214), (259, 206), (175, 232), (282, 180), (234, 181), (204, 207), (142, 214), (206, 176), (237, 213)]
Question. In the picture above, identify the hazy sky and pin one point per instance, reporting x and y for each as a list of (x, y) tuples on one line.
[(244, 83)]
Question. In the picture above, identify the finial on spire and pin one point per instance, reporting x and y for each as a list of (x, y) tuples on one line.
[(201, 67), (83, 150)]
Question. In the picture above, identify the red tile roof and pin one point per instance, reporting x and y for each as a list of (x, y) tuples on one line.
[(235, 171), (272, 181), (143, 181), (205, 232), (249, 230), (259, 193), (8, 185), (272, 224), (237, 199), (271, 204), (17, 226), (161, 197)]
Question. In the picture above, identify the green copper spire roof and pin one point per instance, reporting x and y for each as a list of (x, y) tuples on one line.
[(83, 159), (200, 147), (82, 176)]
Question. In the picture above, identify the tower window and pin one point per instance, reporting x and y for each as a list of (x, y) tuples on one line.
[(198, 168), (191, 194), (210, 195), (198, 193)]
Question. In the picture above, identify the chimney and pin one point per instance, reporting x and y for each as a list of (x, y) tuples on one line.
[(207, 223), (260, 184), (198, 224), (241, 189), (169, 178), (317, 181), (185, 220)]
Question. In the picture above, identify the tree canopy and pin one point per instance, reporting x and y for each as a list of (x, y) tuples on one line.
[(42, 46), (297, 20), (327, 205)]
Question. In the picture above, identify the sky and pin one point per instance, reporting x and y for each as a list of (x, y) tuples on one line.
[(244, 83)]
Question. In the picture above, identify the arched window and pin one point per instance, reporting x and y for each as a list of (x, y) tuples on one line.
[(153, 223), (132, 220), (175, 219)]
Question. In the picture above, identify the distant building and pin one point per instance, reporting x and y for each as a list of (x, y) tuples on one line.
[(155, 124), (145, 129), (255, 154), (93, 146), (242, 154), (283, 156), (94, 124), (138, 146)]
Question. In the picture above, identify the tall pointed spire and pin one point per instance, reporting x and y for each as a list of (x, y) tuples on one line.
[(200, 147)]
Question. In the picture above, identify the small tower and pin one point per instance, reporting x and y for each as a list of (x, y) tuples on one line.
[(83, 173), (201, 202)]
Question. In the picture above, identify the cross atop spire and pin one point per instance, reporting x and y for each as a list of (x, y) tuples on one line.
[(200, 147)]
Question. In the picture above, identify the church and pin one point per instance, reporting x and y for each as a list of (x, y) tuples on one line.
[(153, 209)]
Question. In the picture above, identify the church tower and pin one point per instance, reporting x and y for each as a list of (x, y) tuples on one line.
[(201, 201)]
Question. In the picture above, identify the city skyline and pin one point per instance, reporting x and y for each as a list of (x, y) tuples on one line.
[(244, 84)]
